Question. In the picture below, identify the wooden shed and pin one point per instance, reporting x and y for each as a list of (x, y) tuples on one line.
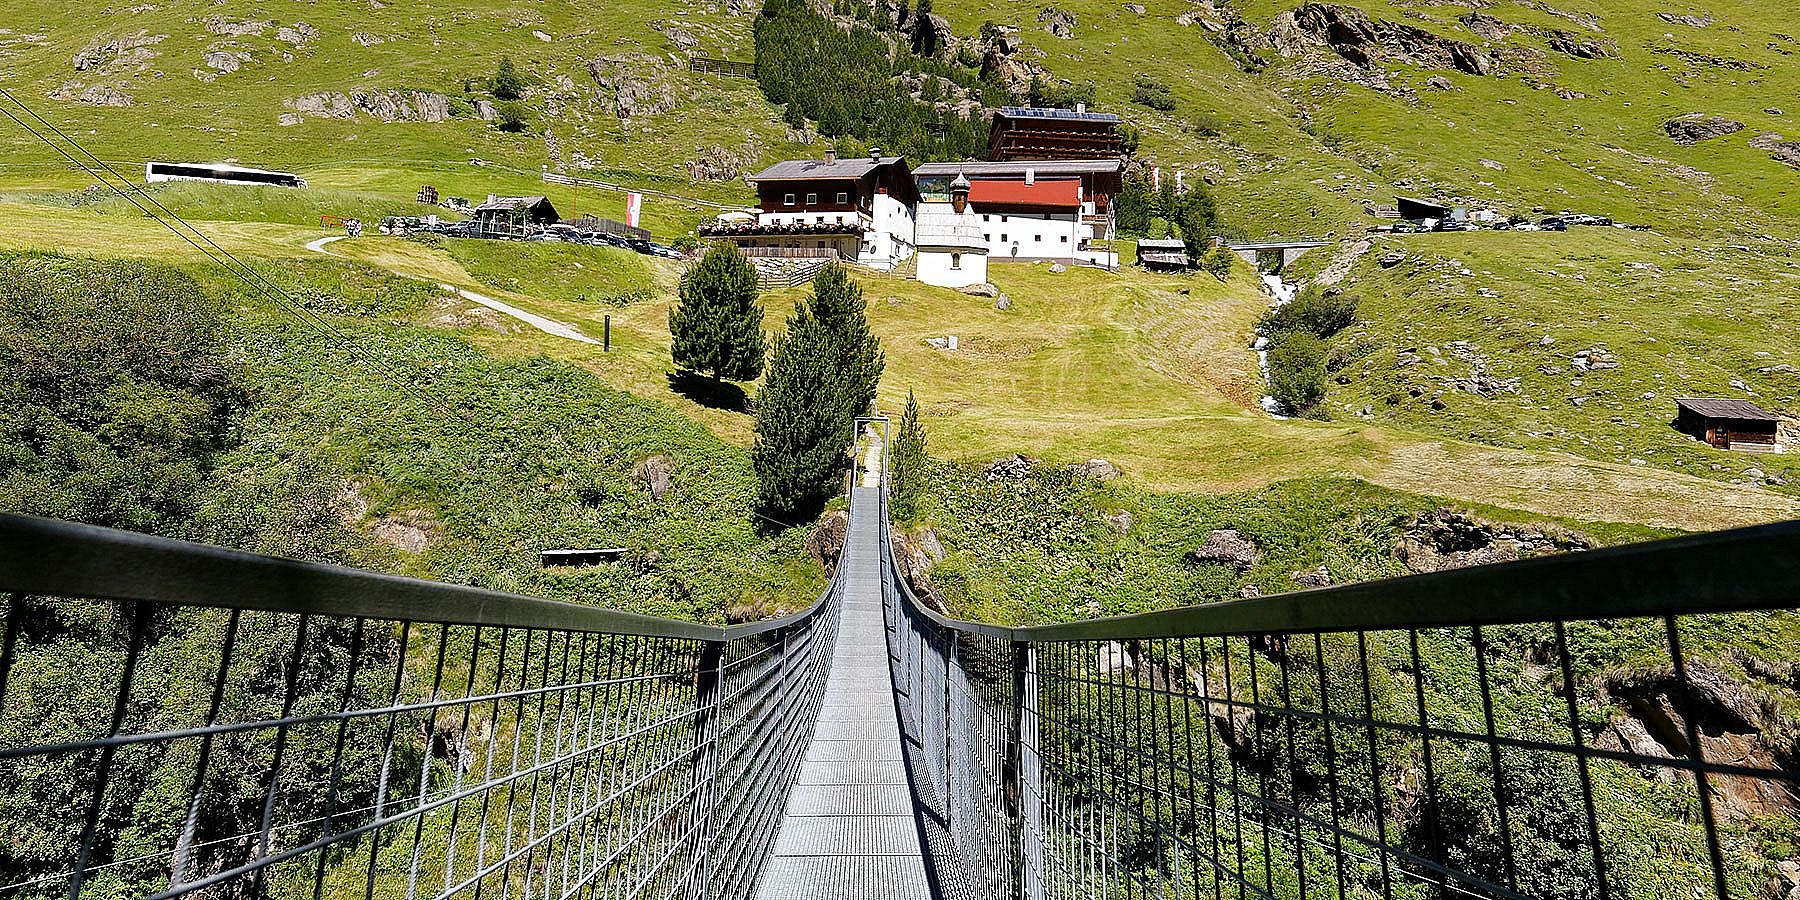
[(1727, 424), (514, 217)]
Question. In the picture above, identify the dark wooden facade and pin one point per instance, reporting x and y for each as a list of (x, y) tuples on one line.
[(833, 186), (1027, 133), (1724, 423)]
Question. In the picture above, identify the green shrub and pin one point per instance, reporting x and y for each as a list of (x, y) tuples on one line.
[(1321, 313), (511, 116), (717, 327), (1152, 93), (907, 462), (1297, 371)]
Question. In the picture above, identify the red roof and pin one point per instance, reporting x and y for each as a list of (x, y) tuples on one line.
[(1015, 192)]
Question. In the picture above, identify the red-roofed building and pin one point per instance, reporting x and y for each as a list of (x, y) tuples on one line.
[(1032, 210)]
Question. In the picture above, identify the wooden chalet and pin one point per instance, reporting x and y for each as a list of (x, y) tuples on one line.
[(1020, 132), (1727, 424), (1163, 254)]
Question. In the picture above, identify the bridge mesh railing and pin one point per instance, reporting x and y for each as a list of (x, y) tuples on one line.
[(1617, 723), (225, 725)]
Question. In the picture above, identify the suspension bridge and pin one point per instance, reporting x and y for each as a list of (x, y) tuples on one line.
[(246, 726)]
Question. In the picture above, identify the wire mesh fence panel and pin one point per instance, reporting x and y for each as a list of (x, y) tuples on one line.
[(231, 725), (1621, 723)]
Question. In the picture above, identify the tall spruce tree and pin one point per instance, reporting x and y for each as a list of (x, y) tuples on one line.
[(907, 462), (924, 33), (855, 357), (799, 449), (1132, 209), (508, 83), (717, 328), (822, 375)]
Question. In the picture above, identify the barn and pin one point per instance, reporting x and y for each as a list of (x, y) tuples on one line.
[(1727, 424)]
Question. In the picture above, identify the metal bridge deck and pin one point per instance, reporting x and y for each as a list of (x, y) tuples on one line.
[(849, 832)]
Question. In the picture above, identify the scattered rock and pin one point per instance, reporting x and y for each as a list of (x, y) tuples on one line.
[(1058, 268), (222, 25), (95, 94), (1579, 46), (1352, 34), (1315, 578), (656, 474), (1059, 22), (1120, 522), (1249, 592), (1782, 151), (224, 61), (1003, 302), (1228, 547), (1015, 466), (1392, 259), (1445, 539), (1439, 82), (641, 85), (1682, 19), (542, 36), (365, 39), (716, 163), (913, 553), (484, 110), (1098, 469), (1487, 27), (1137, 8), (1696, 127), (121, 53), (382, 105), (981, 290), (299, 34)]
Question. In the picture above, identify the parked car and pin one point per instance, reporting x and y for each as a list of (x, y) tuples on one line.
[(1553, 223)]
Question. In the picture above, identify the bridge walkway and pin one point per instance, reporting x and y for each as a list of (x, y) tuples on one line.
[(849, 831)]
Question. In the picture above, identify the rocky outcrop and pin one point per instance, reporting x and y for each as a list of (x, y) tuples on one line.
[(1098, 469), (1012, 467), (228, 27), (915, 554), (656, 474), (1059, 22), (1445, 539), (716, 163), (1696, 127), (1783, 151), (1352, 34), (118, 53), (94, 94), (1684, 19), (1487, 27), (825, 542), (225, 60), (381, 105), (640, 85), (298, 34), (1728, 720), (413, 531), (1226, 547), (1004, 63), (1579, 46)]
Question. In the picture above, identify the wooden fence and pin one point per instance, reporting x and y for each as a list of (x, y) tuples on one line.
[(727, 67)]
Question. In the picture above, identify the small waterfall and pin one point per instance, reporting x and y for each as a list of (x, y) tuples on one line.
[(1282, 293)]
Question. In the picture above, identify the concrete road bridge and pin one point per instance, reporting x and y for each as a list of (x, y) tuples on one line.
[(182, 720), (1274, 255)]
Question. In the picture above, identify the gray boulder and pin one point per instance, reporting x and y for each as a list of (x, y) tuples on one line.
[(1696, 127), (1228, 547)]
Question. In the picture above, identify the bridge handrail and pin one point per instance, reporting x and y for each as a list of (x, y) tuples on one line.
[(70, 559), (1676, 576), (1140, 754)]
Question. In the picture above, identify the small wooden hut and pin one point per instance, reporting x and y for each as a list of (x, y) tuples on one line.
[(1727, 424)]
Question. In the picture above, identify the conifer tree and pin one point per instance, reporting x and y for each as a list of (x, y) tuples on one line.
[(1132, 208), (717, 328), (799, 449), (907, 462), (854, 357), (508, 83), (925, 36)]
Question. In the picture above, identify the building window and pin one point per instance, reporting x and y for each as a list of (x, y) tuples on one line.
[(1003, 239), (988, 237), (788, 200), (985, 217), (1038, 238), (840, 220), (1065, 238), (956, 260), (1002, 218), (843, 197), (811, 199)]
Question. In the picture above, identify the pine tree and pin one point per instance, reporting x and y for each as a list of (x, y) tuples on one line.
[(925, 36), (1197, 215), (907, 462), (799, 449), (717, 328), (508, 83), (854, 358), (1132, 207)]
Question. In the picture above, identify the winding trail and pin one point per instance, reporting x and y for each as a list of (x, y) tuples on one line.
[(547, 326)]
